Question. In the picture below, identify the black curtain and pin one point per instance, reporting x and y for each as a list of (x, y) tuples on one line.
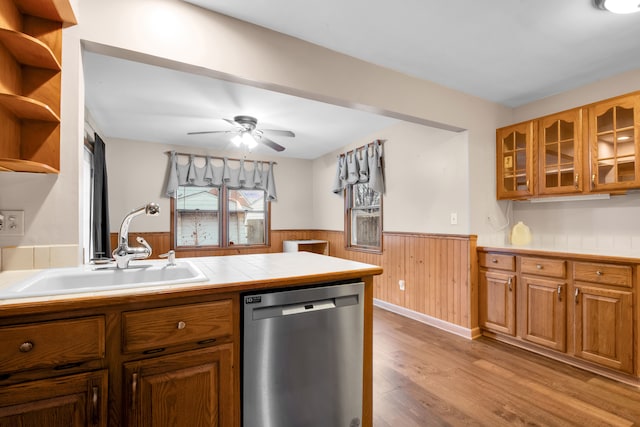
[(100, 232)]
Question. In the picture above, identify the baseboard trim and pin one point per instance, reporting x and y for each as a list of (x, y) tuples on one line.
[(452, 328)]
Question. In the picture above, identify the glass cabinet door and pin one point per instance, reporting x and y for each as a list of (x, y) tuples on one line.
[(514, 161), (613, 130), (560, 153)]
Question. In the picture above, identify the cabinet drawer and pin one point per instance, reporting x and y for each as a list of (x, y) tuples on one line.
[(164, 327), (606, 274), (543, 267), (499, 261), (55, 343)]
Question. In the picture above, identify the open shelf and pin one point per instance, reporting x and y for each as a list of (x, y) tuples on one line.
[(27, 108), (30, 71), (16, 165), (54, 10), (28, 50)]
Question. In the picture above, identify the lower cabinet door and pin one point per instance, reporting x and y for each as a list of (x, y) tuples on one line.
[(497, 302), (189, 389), (78, 400), (604, 326), (545, 312)]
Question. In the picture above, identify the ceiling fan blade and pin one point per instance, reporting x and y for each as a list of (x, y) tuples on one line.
[(234, 124), (271, 144), (279, 132), (209, 131)]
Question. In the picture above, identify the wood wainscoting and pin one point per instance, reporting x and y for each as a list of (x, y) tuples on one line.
[(439, 271)]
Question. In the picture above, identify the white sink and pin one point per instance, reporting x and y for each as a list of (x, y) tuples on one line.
[(57, 281)]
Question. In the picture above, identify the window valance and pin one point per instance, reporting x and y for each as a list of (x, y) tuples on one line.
[(218, 171), (363, 165)]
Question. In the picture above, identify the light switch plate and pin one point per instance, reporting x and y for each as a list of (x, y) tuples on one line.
[(454, 218), (11, 223)]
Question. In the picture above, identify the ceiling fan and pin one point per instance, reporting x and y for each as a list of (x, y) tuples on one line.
[(247, 133)]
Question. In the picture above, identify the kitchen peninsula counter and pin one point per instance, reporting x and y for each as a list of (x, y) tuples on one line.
[(111, 352)]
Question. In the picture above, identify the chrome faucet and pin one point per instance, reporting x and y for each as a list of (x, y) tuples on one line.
[(123, 253)]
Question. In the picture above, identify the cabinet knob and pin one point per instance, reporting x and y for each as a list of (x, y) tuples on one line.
[(539, 267), (26, 347), (599, 273), (495, 261), (182, 325)]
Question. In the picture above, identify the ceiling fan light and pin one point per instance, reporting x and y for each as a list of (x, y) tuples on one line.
[(237, 140), (249, 140), (619, 6)]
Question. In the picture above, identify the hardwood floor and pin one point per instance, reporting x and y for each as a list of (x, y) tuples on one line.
[(427, 377)]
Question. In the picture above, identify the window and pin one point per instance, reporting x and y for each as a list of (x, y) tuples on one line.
[(202, 221), (364, 217)]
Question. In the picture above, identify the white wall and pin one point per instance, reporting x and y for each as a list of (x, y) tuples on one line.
[(172, 31), (133, 183), (187, 37), (427, 178)]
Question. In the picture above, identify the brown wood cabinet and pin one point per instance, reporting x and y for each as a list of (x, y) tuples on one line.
[(497, 293), (543, 302), (78, 400), (590, 149), (188, 389), (167, 362), (570, 305), (30, 80), (514, 148), (614, 127), (603, 314), (560, 166)]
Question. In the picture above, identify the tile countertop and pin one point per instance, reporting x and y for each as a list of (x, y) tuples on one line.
[(227, 273), (632, 256)]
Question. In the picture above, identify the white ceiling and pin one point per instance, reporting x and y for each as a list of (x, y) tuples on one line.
[(507, 51), (137, 101)]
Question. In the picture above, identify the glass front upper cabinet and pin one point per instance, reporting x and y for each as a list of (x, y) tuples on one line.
[(560, 153), (514, 148), (613, 135)]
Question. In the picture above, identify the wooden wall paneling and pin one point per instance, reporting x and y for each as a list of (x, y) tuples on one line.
[(416, 273), (393, 264)]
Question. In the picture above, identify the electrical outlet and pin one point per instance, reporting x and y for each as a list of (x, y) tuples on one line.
[(11, 223), (401, 284), (454, 218)]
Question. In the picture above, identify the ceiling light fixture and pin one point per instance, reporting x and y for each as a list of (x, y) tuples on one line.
[(245, 138), (619, 6)]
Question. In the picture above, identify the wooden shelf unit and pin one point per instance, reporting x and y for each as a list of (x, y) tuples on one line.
[(30, 83)]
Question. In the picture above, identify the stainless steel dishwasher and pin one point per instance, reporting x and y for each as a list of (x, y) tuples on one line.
[(302, 354)]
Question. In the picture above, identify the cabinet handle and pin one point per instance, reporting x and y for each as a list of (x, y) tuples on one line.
[(539, 267), (528, 185), (593, 180), (134, 390), (575, 295), (559, 292), (94, 405), (599, 273), (26, 347), (182, 325), (509, 283), (576, 180)]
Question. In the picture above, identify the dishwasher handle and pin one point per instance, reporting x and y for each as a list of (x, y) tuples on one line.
[(271, 311), (309, 306)]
